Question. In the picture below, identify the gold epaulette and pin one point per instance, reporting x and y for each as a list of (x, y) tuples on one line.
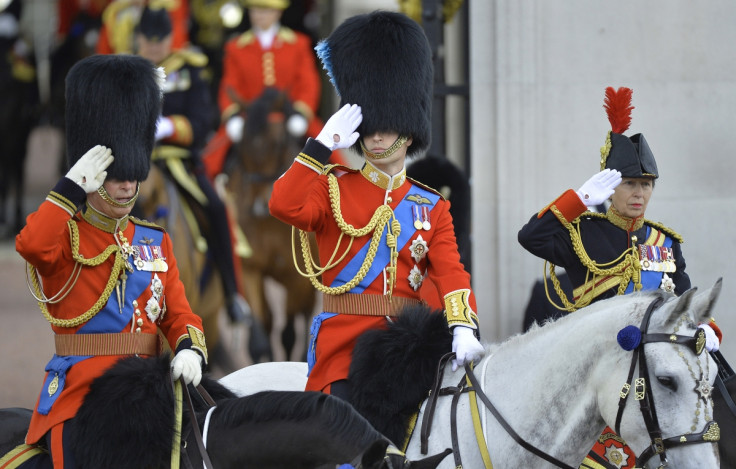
[(424, 186), (182, 57), (286, 34), (149, 224), (666, 230)]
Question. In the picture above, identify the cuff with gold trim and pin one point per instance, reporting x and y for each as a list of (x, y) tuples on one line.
[(194, 340), (458, 311), (68, 195), (314, 155)]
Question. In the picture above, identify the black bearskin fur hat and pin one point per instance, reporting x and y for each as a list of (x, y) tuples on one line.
[(113, 100), (382, 61)]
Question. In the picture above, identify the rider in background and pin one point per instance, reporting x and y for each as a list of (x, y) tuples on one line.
[(105, 281), (186, 119), (616, 252), (120, 17), (381, 66), (267, 55)]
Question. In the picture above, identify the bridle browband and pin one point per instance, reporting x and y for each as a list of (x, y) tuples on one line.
[(643, 393)]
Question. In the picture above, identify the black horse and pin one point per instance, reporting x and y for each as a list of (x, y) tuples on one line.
[(134, 403)]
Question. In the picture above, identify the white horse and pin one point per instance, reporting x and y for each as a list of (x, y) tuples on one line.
[(558, 386)]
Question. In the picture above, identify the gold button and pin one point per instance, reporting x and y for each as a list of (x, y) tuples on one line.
[(138, 330), (139, 322), (137, 312), (389, 200), (135, 303), (634, 239)]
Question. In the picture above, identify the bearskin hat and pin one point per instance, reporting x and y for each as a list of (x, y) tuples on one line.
[(155, 23), (113, 100), (629, 155), (382, 61)]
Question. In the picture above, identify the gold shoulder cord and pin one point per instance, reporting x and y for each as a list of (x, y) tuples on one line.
[(383, 216), (626, 266), (34, 282)]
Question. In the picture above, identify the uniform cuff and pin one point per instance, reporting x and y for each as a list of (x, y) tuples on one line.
[(314, 154), (458, 311), (194, 340), (68, 195), (569, 205)]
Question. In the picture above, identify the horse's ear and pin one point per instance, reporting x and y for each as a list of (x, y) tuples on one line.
[(703, 304), (373, 456), (682, 306), (431, 462)]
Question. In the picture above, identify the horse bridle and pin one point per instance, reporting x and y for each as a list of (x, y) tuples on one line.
[(643, 392)]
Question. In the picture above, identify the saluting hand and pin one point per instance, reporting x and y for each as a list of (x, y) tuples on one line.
[(600, 187), (89, 171), (339, 130)]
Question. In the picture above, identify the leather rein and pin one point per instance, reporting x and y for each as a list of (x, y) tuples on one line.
[(643, 394), (201, 446)]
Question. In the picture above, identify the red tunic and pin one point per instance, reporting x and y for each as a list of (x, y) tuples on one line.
[(300, 198), (289, 64), (45, 243)]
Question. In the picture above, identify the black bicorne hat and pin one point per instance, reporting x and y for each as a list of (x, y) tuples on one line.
[(113, 100), (629, 155), (382, 61), (155, 23)]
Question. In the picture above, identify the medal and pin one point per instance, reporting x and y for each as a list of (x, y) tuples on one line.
[(417, 217), (425, 219)]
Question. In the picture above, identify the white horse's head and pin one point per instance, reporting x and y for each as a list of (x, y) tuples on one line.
[(680, 381)]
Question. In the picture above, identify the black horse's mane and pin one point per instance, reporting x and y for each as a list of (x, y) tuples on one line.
[(132, 402), (392, 370)]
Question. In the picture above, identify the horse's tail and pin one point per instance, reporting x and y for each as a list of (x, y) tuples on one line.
[(392, 370)]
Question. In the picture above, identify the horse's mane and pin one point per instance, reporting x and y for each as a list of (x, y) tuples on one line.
[(133, 402), (328, 413), (258, 111), (392, 370)]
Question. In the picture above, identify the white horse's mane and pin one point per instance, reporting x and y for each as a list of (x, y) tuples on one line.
[(564, 321)]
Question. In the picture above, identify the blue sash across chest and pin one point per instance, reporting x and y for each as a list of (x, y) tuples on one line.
[(403, 213)]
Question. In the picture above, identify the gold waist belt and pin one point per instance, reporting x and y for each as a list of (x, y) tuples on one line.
[(106, 344), (366, 304)]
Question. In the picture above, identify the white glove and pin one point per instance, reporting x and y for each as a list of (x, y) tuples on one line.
[(296, 125), (234, 128), (599, 188), (164, 128), (89, 171), (188, 365), (466, 347), (339, 130), (712, 344)]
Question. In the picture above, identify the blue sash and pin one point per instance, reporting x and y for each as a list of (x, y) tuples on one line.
[(404, 215), (650, 280), (107, 320)]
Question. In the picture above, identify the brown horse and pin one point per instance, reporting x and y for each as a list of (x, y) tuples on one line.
[(263, 154), (161, 201)]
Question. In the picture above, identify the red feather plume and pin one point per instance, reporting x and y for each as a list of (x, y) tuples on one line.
[(618, 107)]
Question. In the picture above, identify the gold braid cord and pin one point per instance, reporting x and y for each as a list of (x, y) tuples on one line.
[(383, 216), (81, 261), (626, 267)]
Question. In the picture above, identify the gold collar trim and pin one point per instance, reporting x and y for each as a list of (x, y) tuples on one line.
[(381, 179), (625, 223), (99, 220)]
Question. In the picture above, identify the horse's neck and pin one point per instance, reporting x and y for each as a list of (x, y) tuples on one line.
[(554, 375)]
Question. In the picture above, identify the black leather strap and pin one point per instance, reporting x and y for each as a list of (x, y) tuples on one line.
[(537, 452), (195, 424)]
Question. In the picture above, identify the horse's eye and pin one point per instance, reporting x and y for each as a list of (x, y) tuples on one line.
[(668, 382)]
